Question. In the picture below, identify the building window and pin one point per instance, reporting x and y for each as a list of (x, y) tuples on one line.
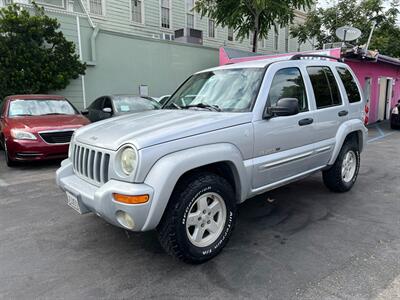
[(211, 28), (189, 13), (276, 38), (137, 7), (230, 34), (165, 13), (96, 7), (58, 3)]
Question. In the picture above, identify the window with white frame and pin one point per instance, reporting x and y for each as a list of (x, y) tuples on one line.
[(58, 3), (230, 34), (165, 13), (137, 11), (211, 28), (96, 7), (189, 13)]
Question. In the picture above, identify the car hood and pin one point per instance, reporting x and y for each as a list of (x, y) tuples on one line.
[(155, 127), (53, 122)]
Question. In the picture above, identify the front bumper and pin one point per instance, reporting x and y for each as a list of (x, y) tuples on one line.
[(100, 200), (395, 119), (27, 150)]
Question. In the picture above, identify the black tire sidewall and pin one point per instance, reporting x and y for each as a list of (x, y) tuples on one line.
[(189, 196), (350, 147)]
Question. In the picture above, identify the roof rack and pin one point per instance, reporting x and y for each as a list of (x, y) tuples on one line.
[(300, 56)]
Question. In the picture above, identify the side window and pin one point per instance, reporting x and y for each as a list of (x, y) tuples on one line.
[(325, 87), (97, 104), (288, 83), (353, 94)]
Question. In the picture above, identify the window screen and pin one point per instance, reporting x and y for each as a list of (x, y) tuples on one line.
[(325, 87), (288, 83), (353, 94)]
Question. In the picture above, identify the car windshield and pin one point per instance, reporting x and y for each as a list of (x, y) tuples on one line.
[(127, 104), (232, 90), (40, 107)]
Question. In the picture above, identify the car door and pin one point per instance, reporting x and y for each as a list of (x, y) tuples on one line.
[(94, 110), (331, 110), (283, 145)]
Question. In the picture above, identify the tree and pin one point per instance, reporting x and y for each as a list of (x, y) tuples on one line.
[(321, 24), (254, 17), (35, 57)]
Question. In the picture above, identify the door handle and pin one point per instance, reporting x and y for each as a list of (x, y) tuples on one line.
[(307, 121), (343, 113)]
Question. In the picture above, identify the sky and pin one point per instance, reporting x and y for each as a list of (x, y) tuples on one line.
[(328, 3)]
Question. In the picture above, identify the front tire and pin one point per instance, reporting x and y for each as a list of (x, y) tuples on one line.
[(199, 219), (9, 161), (343, 174)]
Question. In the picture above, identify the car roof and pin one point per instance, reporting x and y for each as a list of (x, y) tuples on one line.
[(262, 63), (35, 97)]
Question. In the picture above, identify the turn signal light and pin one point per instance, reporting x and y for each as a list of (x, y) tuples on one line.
[(138, 199)]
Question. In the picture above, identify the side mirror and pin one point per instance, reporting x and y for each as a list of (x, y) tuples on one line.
[(84, 112), (284, 107), (107, 110)]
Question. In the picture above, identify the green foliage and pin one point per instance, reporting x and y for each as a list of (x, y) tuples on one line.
[(35, 57), (321, 24), (251, 16)]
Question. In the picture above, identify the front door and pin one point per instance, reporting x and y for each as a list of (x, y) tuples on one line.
[(385, 96), (283, 145)]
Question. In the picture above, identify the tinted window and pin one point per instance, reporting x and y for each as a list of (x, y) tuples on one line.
[(288, 83), (325, 87), (350, 85)]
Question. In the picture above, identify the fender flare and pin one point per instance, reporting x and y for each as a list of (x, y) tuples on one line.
[(165, 174), (344, 130)]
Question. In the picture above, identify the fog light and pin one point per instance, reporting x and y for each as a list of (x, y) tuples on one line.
[(125, 220)]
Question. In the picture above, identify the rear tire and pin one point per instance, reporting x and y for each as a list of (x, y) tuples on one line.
[(199, 218), (343, 174)]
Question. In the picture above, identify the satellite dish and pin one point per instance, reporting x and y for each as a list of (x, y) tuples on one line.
[(347, 33)]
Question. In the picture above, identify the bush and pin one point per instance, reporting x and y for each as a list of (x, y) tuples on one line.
[(35, 57)]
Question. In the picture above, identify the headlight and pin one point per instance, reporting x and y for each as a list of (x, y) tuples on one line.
[(128, 160), (22, 135), (395, 111)]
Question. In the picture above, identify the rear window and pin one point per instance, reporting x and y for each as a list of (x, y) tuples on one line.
[(350, 85), (325, 87)]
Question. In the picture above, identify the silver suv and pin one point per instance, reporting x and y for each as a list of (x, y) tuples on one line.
[(227, 134)]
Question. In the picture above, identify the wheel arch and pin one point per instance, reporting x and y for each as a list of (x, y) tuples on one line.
[(223, 159), (350, 130)]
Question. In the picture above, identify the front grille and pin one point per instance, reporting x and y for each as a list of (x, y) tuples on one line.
[(90, 164), (57, 137)]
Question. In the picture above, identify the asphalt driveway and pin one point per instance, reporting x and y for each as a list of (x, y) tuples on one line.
[(298, 242)]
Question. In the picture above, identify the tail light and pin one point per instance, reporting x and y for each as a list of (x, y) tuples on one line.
[(365, 114)]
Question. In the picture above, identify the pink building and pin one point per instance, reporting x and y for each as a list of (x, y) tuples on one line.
[(379, 75)]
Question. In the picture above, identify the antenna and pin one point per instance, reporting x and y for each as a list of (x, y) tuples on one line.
[(348, 33)]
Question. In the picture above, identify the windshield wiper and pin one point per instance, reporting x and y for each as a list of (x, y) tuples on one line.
[(49, 114), (203, 105), (22, 115)]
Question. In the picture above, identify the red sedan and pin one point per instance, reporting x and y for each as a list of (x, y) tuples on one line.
[(37, 127)]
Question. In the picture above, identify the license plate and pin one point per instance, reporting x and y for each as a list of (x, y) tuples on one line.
[(72, 201)]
